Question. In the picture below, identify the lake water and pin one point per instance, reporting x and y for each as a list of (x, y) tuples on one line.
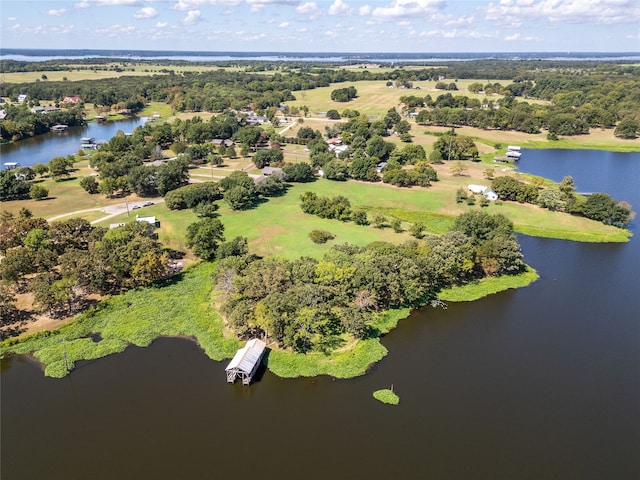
[(538, 383), (42, 148)]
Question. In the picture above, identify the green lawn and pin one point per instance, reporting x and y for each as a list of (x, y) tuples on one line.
[(375, 98)]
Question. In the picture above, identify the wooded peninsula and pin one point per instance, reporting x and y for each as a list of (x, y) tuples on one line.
[(310, 205)]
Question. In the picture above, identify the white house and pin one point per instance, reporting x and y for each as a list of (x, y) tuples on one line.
[(486, 191), (150, 220)]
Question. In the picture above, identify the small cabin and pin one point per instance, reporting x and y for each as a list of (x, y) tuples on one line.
[(11, 165), (246, 361)]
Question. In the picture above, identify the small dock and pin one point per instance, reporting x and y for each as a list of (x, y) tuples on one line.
[(246, 361), (59, 128)]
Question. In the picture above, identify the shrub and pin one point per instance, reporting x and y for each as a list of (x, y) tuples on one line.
[(320, 236)]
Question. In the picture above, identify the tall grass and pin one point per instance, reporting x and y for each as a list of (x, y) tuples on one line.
[(179, 307)]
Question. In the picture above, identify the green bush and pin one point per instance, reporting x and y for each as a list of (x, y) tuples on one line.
[(321, 236)]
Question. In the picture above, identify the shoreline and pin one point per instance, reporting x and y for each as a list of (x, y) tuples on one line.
[(59, 349)]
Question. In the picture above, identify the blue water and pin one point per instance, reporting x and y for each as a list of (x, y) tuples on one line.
[(211, 56), (42, 148)]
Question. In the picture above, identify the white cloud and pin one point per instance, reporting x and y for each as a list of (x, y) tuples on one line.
[(364, 10), (633, 37), (146, 12), (301, 30), (12, 19), (307, 8), (408, 8), (83, 4), (56, 13), (250, 38), (118, 3), (162, 24), (339, 8), (193, 17), (515, 12), (116, 30), (186, 5), (257, 5), (283, 25)]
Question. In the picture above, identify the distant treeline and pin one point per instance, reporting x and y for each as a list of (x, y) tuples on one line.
[(588, 93)]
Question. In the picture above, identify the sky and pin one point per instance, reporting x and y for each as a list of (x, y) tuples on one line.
[(438, 26)]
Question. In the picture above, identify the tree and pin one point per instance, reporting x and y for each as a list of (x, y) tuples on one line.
[(306, 132), (364, 168), (379, 221), (240, 197), (343, 94), (271, 186), (150, 267), (336, 170), (359, 217), (233, 248), (601, 207), (8, 311), (40, 169), (12, 187), (627, 128), (551, 198), (298, 172), (171, 176), (53, 295), (481, 226), (333, 115), (458, 169), (204, 236), (262, 158), (417, 230), (58, 167), (108, 186), (89, 184), (38, 192), (377, 147)]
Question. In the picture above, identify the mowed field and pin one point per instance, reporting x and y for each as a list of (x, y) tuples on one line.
[(375, 98), (129, 69)]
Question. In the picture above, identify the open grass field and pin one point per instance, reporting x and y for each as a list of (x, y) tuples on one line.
[(70, 76), (375, 98)]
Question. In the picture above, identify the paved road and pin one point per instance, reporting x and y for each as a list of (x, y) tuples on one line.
[(110, 210)]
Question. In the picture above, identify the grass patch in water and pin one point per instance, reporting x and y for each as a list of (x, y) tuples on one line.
[(386, 396), (488, 286), (341, 364)]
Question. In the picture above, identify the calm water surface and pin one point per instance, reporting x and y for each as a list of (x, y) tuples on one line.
[(538, 383), (42, 148)]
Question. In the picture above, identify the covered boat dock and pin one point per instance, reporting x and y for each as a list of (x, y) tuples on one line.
[(246, 361)]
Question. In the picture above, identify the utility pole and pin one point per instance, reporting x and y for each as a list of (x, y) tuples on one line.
[(127, 204)]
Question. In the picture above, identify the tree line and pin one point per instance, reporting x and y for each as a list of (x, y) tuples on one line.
[(62, 262), (317, 305)]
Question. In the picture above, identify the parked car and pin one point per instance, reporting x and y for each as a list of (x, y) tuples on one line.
[(135, 207), (147, 204)]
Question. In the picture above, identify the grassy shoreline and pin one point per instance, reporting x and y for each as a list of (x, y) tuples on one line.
[(140, 316)]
